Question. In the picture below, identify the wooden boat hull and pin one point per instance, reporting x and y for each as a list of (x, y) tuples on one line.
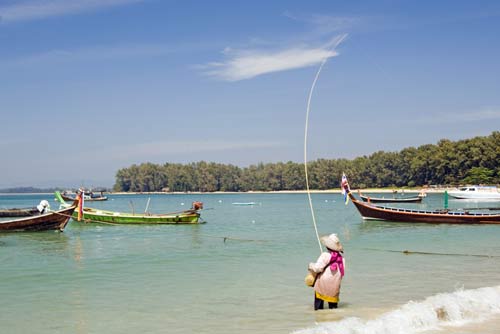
[(416, 199), (18, 212), (54, 220), (113, 217), (370, 211), (92, 215)]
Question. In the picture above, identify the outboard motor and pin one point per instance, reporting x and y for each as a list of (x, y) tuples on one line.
[(197, 206)]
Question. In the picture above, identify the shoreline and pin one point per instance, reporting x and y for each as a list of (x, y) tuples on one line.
[(312, 191), (328, 191)]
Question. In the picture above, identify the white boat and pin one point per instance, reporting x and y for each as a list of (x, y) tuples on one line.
[(476, 192)]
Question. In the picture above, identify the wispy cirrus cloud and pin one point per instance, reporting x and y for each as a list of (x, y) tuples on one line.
[(40, 9), (327, 24), (246, 64)]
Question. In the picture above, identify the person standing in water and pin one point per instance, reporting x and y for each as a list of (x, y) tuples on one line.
[(329, 268)]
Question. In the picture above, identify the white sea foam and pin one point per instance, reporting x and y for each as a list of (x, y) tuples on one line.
[(446, 309)]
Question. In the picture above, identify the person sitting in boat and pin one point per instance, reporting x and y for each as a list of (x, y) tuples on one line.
[(43, 207), (330, 268)]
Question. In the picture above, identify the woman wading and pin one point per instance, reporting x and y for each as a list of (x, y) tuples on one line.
[(329, 269)]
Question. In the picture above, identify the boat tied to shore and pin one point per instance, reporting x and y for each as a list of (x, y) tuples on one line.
[(409, 199), (18, 212), (92, 215), (50, 220), (371, 211), (43, 207), (88, 195)]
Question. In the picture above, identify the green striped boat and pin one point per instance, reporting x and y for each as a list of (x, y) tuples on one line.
[(91, 215)]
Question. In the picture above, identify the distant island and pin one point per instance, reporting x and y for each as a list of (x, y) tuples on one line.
[(469, 161), (26, 190), (34, 190)]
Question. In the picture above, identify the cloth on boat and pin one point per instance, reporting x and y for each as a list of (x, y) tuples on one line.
[(43, 207)]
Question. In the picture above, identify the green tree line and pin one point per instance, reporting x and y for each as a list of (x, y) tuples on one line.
[(469, 161)]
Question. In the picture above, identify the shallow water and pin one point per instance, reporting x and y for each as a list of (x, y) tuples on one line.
[(242, 271)]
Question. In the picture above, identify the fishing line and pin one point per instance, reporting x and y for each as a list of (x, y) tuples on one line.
[(305, 139), (305, 151)]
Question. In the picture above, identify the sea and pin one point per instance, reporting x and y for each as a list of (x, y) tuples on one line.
[(243, 270)]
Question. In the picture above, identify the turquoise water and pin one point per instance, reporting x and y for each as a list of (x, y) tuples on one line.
[(243, 271)]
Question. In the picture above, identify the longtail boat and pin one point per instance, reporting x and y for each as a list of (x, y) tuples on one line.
[(88, 196), (18, 212), (92, 215), (375, 212), (52, 220), (414, 199)]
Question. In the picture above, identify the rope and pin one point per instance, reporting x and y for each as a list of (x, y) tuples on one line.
[(408, 252), (208, 236), (231, 238)]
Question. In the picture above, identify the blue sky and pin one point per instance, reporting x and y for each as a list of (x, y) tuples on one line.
[(91, 86)]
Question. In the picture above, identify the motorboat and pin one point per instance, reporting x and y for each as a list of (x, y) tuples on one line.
[(476, 192)]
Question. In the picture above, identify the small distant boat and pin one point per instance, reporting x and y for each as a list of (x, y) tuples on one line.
[(413, 199), (476, 192), (244, 203), (113, 217), (374, 212), (52, 220), (88, 196), (18, 212)]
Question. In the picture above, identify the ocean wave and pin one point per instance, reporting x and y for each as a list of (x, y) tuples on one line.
[(445, 309)]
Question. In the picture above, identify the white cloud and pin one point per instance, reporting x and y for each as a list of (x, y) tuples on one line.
[(247, 64), (39, 9)]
